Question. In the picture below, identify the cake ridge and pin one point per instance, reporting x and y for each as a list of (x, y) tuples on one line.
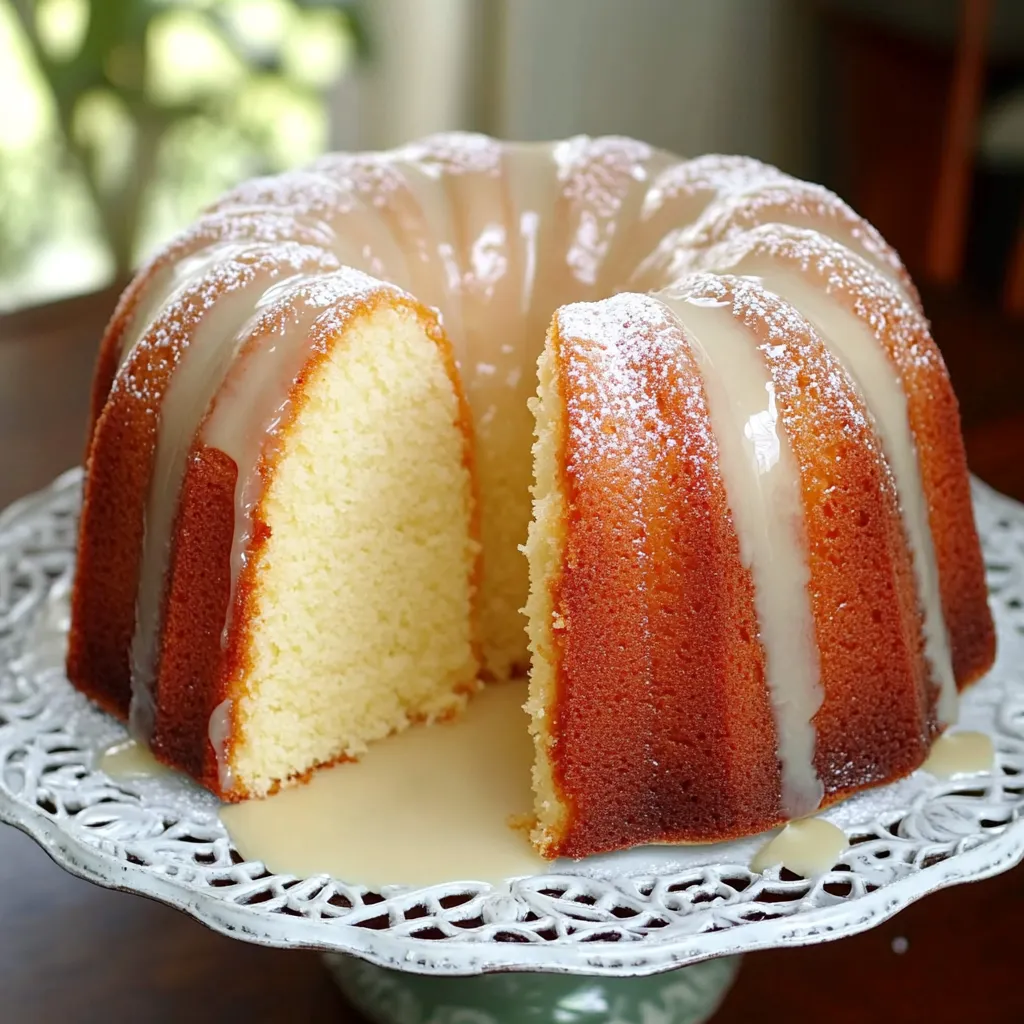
[(937, 452), (814, 207), (763, 489)]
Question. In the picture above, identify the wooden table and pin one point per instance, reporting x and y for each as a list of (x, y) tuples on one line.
[(71, 952)]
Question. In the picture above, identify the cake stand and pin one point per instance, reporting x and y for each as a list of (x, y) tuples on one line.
[(590, 941)]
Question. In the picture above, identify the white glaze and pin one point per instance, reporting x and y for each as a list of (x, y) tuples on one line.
[(129, 759), (961, 753), (762, 485), (193, 384), (231, 295), (854, 344), (808, 847), (219, 732), (430, 804), (167, 285)]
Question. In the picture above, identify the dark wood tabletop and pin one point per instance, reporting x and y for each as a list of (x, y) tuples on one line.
[(72, 952)]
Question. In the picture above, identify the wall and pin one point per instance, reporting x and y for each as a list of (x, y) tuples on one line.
[(693, 76), (690, 75), (420, 77)]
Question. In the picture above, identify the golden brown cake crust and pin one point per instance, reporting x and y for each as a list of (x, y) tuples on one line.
[(190, 678), (119, 467), (662, 729), (662, 724), (109, 545)]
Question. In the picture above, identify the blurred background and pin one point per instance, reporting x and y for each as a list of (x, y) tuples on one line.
[(120, 119)]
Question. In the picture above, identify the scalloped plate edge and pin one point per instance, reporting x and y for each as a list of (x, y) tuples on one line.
[(453, 957)]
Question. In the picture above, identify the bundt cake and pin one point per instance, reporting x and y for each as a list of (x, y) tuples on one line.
[(752, 581)]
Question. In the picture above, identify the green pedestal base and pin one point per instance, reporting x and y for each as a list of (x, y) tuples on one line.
[(687, 996)]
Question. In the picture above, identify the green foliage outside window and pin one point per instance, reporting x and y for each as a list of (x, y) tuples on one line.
[(123, 117)]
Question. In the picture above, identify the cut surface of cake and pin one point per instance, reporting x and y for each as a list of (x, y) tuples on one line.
[(304, 579), (363, 424)]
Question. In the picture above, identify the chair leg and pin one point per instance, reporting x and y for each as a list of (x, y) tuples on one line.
[(945, 254), (1013, 286)]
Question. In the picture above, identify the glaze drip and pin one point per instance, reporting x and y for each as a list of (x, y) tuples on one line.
[(847, 306), (762, 483), (808, 848), (961, 753), (853, 343)]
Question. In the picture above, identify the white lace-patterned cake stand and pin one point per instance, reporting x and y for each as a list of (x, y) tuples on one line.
[(592, 935)]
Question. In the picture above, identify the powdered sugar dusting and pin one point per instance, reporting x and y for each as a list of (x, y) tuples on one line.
[(706, 178), (783, 324), (608, 348), (625, 331), (456, 153), (801, 205), (339, 292), (305, 193), (161, 346), (601, 179), (153, 286), (261, 224), (834, 267)]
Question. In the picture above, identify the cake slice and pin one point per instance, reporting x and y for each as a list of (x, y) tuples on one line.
[(305, 581), (724, 616)]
